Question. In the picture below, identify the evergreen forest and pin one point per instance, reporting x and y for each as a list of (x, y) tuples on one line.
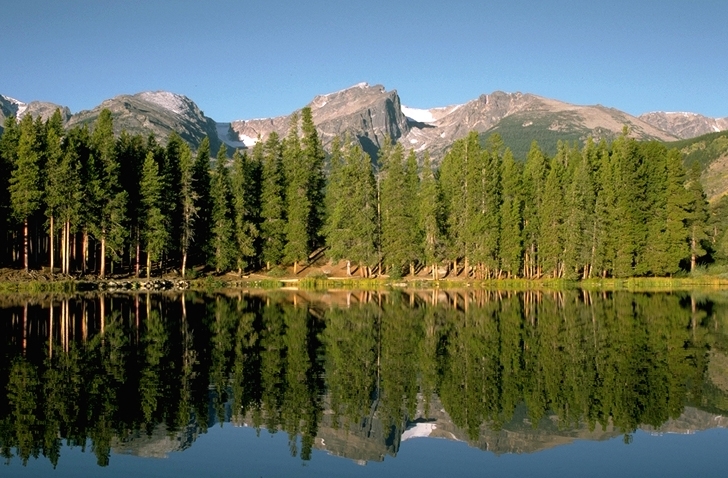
[(84, 201)]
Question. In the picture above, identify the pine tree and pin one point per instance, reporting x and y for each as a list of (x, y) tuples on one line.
[(131, 152), (298, 204), (155, 230), (8, 157), (70, 192), (337, 207), (430, 217), (413, 238), (551, 219), (53, 177), (456, 179), (272, 202), (313, 154), (223, 229), (245, 211), (698, 218), (394, 215), (654, 258), (171, 171), (677, 234), (109, 198), (578, 217), (484, 213), (188, 202), (351, 227), (605, 230), (630, 205), (26, 181), (534, 179), (511, 244), (201, 184)]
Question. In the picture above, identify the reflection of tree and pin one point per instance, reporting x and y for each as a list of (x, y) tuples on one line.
[(351, 361), (612, 359), (23, 398)]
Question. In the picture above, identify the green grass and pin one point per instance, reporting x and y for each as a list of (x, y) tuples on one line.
[(40, 286)]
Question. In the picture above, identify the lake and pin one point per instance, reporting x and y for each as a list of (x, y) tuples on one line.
[(359, 383)]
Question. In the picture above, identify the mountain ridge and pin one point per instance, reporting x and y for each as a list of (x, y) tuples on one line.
[(370, 114)]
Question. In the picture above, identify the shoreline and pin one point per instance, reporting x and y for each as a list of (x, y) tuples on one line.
[(34, 283)]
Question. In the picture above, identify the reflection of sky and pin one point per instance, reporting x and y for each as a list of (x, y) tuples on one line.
[(231, 451)]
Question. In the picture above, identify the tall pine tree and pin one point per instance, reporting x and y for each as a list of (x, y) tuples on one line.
[(222, 244)]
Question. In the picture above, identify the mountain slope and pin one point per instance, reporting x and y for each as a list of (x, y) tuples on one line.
[(685, 125), (710, 152), (520, 118), (159, 113)]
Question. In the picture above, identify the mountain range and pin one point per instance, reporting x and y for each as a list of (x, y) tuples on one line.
[(369, 114)]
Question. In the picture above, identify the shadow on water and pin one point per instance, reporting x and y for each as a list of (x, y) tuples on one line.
[(356, 372)]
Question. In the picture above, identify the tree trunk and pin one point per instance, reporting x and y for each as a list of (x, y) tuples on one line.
[(25, 244), (149, 263), (84, 260), (102, 271), (138, 257), (53, 249), (348, 268), (184, 264)]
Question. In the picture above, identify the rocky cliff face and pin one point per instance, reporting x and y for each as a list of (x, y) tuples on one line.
[(685, 125), (366, 113), (159, 113)]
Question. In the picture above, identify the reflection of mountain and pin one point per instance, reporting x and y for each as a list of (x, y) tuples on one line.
[(368, 441), (157, 444)]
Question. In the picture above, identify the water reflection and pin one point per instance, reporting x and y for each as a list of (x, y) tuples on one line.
[(356, 373)]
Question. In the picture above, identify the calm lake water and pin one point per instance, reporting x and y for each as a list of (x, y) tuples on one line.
[(425, 383)]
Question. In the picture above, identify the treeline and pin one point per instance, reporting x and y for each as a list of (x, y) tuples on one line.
[(81, 199)]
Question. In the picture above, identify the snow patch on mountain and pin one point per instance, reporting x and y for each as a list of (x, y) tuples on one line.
[(420, 430), (248, 141), (226, 135), (415, 114), (165, 99)]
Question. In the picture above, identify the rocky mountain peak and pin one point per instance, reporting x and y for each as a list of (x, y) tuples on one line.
[(364, 112), (171, 101), (156, 112)]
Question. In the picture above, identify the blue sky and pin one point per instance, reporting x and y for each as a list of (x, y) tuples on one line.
[(244, 59)]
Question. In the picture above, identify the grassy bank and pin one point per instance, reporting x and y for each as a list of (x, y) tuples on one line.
[(211, 283)]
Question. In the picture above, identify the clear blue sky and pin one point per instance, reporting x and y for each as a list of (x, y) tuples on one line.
[(244, 59)]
